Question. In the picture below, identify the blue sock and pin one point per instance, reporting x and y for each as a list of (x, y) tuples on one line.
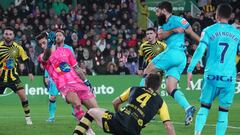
[(222, 123), (142, 83), (180, 99), (201, 119), (52, 108)]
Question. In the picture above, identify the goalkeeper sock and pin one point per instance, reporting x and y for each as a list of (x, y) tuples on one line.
[(78, 112), (180, 99), (201, 119), (52, 108), (26, 108), (83, 125), (222, 122)]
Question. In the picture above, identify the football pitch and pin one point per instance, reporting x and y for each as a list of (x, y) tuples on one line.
[(12, 121)]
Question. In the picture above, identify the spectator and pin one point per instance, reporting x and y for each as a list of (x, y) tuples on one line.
[(143, 14), (122, 70), (111, 69), (112, 57)]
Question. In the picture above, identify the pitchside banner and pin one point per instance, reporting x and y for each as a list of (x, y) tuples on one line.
[(111, 86)]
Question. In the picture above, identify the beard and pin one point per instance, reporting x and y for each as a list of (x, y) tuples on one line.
[(161, 19), (59, 41), (8, 40)]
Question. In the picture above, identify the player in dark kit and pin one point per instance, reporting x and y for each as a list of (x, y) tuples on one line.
[(143, 103), (10, 51), (149, 49)]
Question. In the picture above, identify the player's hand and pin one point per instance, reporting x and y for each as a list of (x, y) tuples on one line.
[(179, 30), (31, 77), (89, 85), (189, 78), (140, 72), (51, 39)]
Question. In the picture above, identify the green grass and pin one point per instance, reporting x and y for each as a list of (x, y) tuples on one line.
[(12, 120)]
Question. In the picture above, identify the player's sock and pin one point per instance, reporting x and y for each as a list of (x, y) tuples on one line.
[(142, 83), (83, 125), (78, 112), (52, 108), (26, 108), (222, 122), (201, 119), (180, 99)]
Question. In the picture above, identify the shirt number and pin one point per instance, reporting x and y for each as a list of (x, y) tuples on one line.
[(225, 45), (143, 99)]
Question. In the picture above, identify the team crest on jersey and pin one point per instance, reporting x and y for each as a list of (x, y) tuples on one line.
[(184, 21), (9, 63), (64, 67)]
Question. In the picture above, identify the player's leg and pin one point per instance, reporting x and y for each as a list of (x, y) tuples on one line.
[(25, 105), (159, 63), (208, 94), (17, 87), (225, 100), (52, 105), (74, 100), (92, 114)]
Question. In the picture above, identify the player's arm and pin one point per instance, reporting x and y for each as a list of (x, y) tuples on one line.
[(27, 63), (121, 99), (47, 51), (192, 34), (164, 116), (81, 75), (140, 58), (79, 72), (165, 34), (198, 54)]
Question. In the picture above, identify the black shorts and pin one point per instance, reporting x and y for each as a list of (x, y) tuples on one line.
[(112, 125), (13, 85)]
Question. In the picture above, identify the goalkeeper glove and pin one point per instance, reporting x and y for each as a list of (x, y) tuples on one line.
[(89, 85), (51, 39)]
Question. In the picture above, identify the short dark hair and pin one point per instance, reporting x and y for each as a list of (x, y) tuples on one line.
[(224, 11), (61, 31), (9, 28), (151, 29), (165, 5), (153, 81), (41, 36)]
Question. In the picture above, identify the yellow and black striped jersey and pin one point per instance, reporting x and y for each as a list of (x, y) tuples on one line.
[(237, 58), (149, 51), (9, 55), (208, 8), (145, 103)]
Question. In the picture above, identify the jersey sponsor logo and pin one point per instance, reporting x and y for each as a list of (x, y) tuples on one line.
[(64, 67), (184, 21), (220, 78), (9, 63)]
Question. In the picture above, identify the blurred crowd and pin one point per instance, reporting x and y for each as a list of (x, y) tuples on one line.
[(104, 34)]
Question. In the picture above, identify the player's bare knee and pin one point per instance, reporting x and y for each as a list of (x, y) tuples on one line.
[(52, 98)]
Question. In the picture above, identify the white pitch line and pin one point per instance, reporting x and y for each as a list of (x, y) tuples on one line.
[(210, 125)]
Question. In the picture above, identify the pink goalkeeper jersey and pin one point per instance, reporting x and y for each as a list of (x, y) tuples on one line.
[(60, 67)]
